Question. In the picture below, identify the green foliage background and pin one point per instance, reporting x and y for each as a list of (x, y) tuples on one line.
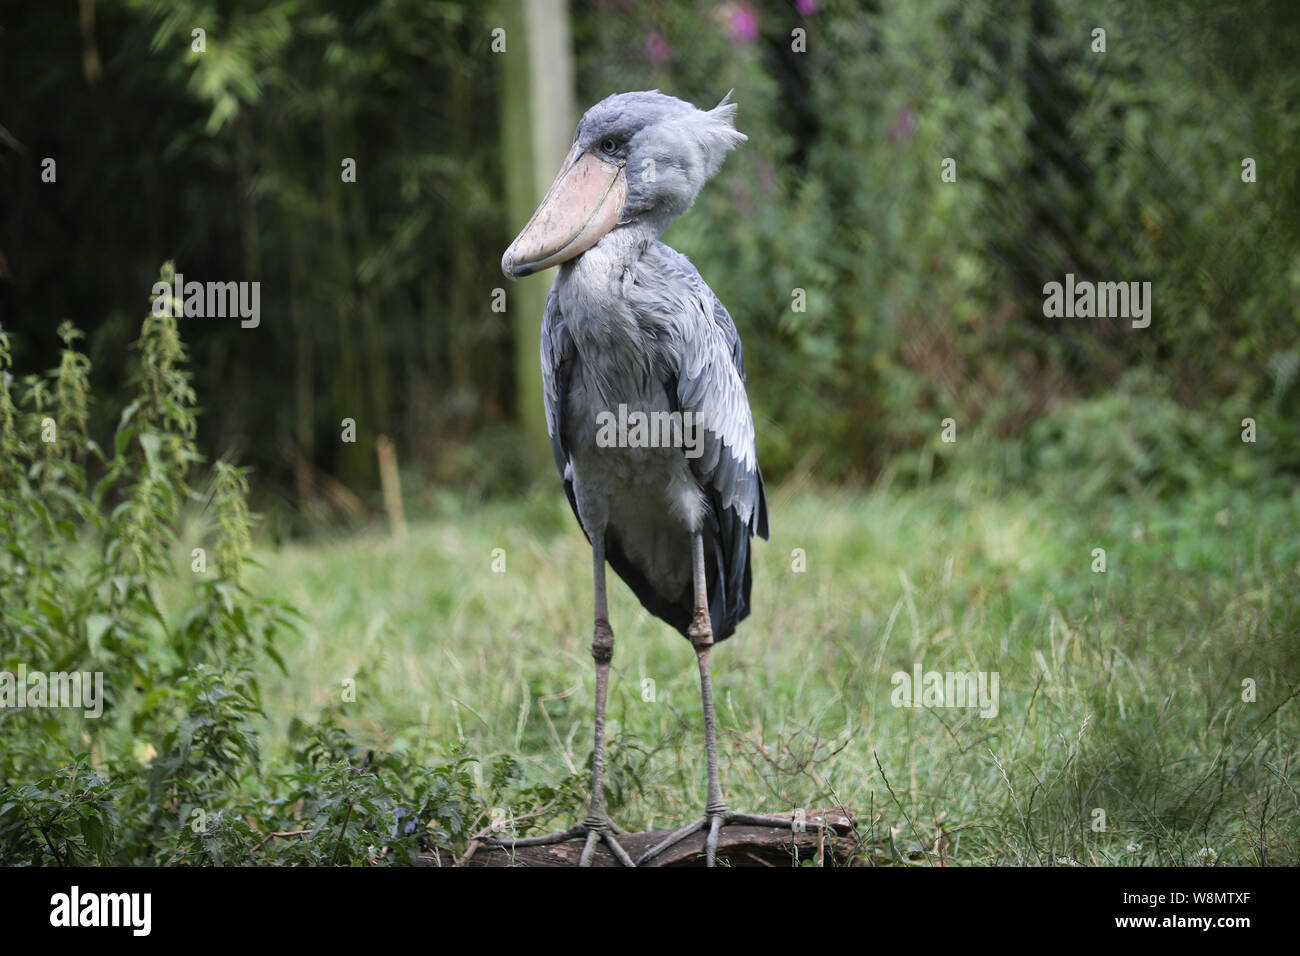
[(924, 298)]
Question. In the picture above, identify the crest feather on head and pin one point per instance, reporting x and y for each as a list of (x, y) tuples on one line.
[(715, 131)]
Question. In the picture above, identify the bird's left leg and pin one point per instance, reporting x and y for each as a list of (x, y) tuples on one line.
[(597, 825), (716, 812)]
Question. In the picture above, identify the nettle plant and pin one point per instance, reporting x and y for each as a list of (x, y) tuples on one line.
[(93, 581)]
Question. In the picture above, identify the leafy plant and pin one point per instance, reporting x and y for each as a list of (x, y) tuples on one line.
[(93, 580)]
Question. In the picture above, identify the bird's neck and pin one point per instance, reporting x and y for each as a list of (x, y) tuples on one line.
[(624, 245), (598, 298), (596, 281)]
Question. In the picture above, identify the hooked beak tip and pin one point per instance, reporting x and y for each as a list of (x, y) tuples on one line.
[(509, 268), (582, 205)]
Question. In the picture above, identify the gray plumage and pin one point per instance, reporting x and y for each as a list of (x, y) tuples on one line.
[(631, 322)]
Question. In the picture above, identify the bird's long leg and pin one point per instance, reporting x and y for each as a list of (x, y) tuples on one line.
[(716, 812), (701, 633), (597, 826)]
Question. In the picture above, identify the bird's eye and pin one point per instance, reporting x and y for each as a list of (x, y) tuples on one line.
[(609, 146)]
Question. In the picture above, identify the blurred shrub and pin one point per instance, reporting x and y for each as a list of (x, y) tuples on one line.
[(924, 297), (1136, 441)]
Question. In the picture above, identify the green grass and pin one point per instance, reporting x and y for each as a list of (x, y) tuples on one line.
[(1120, 692)]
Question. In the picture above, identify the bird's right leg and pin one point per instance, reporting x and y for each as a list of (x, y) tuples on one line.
[(597, 826), (716, 812)]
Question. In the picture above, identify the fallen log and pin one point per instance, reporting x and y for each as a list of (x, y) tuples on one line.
[(737, 846)]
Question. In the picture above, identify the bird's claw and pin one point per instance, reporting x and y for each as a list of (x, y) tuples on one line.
[(594, 833), (715, 821)]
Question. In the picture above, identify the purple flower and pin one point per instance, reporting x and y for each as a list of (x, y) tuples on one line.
[(806, 8), (744, 23), (904, 125), (657, 48)]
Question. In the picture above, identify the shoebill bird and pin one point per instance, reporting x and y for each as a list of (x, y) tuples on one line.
[(630, 327)]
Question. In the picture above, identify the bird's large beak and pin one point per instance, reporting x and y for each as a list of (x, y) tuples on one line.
[(582, 205)]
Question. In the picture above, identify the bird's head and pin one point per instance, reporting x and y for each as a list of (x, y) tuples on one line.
[(636, 158)]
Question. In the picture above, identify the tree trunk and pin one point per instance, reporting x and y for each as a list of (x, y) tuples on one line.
[(538, 116)]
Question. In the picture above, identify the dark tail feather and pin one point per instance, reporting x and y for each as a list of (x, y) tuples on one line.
[(732, 577)]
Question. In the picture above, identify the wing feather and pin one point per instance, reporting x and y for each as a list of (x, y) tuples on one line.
[(558, 353), (710, 383)]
